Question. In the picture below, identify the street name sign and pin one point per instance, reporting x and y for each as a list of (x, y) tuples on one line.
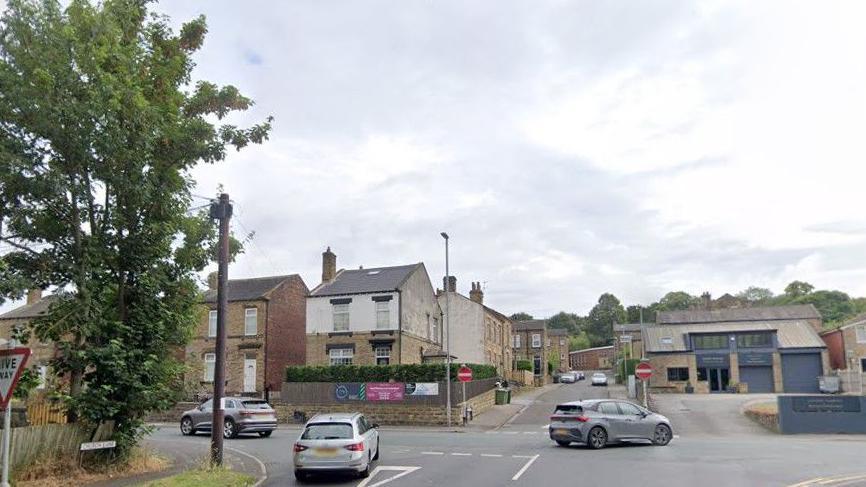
[(98, 445), (12, 361), (464, 374), (643, 371)]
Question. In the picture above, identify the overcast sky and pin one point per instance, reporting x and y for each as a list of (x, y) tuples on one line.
[(569, 148)]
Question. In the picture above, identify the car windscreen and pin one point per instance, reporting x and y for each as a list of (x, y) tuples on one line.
[(328, 431), (256, 405), (568, 409)]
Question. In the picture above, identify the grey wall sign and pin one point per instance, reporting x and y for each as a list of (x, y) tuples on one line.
[(755, 358), (713, 360), (822, 414)]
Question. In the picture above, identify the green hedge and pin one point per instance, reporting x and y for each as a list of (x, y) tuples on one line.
[(524, 365), (383, 373)]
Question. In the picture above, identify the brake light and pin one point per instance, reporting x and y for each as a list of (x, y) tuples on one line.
[(299, 448), (582, 418), (355, 447), (565, 418)]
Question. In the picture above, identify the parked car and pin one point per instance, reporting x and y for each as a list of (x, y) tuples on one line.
[(598, 422), (344, 442), (241, 415), (580, 375), (568, 378), (599, 379)]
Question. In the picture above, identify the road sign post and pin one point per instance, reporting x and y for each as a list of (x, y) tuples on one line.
[(12, 361), (644, 371), (464, 375)]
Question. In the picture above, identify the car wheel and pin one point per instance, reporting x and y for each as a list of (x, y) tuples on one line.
[(366, 472), (376, 456), (662, 435), (597, 438), (186, 428), (230, 429), (563, 443), (300, 476), (265, 434)]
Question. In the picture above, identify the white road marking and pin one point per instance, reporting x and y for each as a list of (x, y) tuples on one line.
[(261, 465), (545, 427), (404, 471), (462, 454), (525, 467), (529, 432), (522, 456), (676, 436), (491, 455), (510, 432), (432, 453)]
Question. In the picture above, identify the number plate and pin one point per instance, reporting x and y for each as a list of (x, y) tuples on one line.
[(325, 452), (563, 432)]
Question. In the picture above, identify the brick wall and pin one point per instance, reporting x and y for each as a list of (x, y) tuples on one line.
[(405, 348), (286, 343)]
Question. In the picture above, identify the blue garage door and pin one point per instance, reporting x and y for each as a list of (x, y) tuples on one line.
[(800, 372), (760, 379)]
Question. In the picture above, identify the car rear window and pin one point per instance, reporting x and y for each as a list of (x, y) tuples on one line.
[(568, 409), (328, 431), (256, 405)]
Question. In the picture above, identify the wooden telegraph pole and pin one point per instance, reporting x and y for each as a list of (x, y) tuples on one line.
[(220, 210)]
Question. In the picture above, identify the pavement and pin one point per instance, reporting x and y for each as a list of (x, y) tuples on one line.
[(518, 451)]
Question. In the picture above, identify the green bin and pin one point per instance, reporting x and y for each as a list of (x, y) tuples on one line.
[(501, 397)]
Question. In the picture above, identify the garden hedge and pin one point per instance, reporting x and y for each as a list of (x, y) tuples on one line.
[(383, 373), (524, 365)]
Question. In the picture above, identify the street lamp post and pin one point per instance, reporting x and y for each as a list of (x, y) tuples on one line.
[(447, 336)]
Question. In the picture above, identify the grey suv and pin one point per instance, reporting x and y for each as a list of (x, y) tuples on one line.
[(598, 422), (242, 415)]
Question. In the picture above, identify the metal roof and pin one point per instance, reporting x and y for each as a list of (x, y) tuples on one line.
[(608, 347), (672, 338), (249, 289), (360, 281), (765, 313), (627, 327)]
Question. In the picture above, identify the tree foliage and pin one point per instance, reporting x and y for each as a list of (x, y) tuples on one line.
[(797, 289), (521, 316), (756, 295), (567, 321), (98, 133), (601, 318), (579, 341), (677, 300)]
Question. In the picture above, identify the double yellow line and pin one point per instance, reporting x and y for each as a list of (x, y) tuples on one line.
[(838, 481)]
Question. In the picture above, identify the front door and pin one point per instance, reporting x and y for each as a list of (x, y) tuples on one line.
[(718, 379), (249, 375)]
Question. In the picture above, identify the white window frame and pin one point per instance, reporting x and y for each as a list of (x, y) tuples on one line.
[(536, 340), (382, 351), (562, 342), (860, 333), (42, 372), (212, 323), (251, 326), (209, 366), (341, 310), (383, 315), (517, 340), (548, 342), (341, 356), (435, 337)]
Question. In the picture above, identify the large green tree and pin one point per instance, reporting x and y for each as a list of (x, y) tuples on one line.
[(796, 289), (756, 295), (521, 316), (677, 300), (601, 318), (567, 321), (99, 129)]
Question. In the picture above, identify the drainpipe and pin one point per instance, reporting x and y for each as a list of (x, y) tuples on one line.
[(400, 326), (266, 392)]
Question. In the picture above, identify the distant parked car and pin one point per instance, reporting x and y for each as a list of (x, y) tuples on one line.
[(599, 379), (598, 422), (344, 442), (241, 415), (580, 375), (568, 378)]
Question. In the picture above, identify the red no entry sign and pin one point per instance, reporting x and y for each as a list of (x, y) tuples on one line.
[(464, 374), (643, 371)]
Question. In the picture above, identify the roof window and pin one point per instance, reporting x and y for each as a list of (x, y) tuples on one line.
[(372, 273)]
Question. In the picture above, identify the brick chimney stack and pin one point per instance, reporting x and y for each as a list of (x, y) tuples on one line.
[(212, 280), (707, 300), (329, 265), (34, 295), (476, 294), (450, 284)]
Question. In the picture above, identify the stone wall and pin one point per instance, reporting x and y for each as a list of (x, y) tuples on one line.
[(171, 415), (767, 419)]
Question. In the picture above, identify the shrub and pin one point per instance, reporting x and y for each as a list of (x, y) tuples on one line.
[(383, 373), (524, 365)]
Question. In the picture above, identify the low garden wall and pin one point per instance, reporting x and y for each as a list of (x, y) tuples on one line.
[(765, 414)]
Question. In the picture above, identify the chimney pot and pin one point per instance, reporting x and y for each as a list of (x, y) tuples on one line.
[(329, 265), (34, 295), (450, 284), (476, 294)]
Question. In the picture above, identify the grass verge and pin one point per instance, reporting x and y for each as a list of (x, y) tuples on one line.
[(212, 477), (56, 472)]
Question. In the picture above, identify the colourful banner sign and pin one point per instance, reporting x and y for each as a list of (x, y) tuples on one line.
[(422, 388), (350, 391), (385, 391)]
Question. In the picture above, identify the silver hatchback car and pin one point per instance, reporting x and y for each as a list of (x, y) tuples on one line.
[(344, 442), (242, 415), (597, 422)]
